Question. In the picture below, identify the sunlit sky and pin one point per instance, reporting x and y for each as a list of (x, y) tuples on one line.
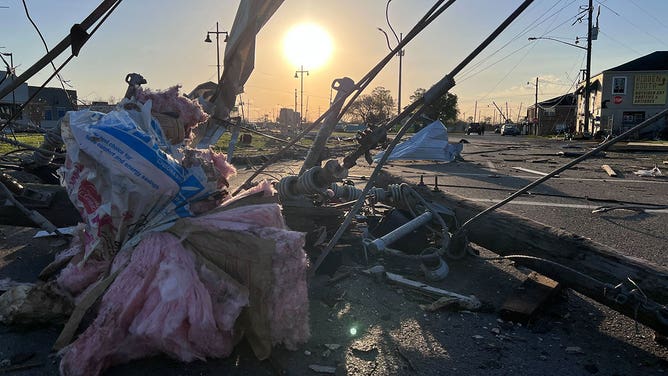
[(164, 41)]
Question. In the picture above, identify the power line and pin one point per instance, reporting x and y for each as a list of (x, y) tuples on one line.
[(25, 7), (520, 34)]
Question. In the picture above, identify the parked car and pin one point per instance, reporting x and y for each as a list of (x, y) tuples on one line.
[(475, 128), (509, 130)]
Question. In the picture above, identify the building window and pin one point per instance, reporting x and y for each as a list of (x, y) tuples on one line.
[(550, 111), (61, 112), (633, 117), (48, 115), (618, 85)]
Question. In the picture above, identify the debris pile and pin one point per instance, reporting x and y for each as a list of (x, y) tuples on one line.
[(177, 266)]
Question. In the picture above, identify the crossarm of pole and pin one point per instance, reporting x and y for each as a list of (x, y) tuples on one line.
[(96, 14), (568, 165), (430, 16), (436, 91), (106, 12)]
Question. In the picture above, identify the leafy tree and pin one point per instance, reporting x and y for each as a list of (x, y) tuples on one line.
[(443, 109), (374, 108)]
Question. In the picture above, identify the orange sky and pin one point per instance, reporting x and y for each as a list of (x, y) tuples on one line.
[(164, 41)]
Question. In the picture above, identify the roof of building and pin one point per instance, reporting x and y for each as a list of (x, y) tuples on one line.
[(562, 100), (657, 60)]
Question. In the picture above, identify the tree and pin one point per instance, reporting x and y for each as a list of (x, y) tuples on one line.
[(443, 109), (374, 108)]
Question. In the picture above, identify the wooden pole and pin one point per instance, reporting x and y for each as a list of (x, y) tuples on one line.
[(593, 269)]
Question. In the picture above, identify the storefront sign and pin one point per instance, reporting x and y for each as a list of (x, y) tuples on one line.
[(650, 89)]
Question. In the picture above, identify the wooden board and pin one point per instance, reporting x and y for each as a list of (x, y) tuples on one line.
[(609, 170), (528, 298)]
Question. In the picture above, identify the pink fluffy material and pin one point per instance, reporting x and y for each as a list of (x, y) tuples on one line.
[(79, 275), (158, 303), (190, 112), (288, 306)]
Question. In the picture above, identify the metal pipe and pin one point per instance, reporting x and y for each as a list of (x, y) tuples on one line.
[(379, 244)]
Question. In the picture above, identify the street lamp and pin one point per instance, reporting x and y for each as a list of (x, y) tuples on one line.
[(13, 74), (557, 40), (592, 33), (301, 101), (208, 40)]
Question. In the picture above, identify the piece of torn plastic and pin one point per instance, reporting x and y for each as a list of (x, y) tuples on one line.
[(649, 173), (430, 143)]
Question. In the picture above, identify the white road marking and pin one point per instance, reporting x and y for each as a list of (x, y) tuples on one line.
[(559, 179), (557, 205)]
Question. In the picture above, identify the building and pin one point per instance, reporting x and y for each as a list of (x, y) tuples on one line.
[(554, 115), (288, 119), (53, 102), (12, 101), (623, 96), (48, 106)]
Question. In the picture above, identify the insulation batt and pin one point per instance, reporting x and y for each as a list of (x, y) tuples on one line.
[(190, 112), (164, 301), (158, 303)]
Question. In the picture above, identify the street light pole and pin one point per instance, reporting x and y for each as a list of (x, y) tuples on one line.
[(587, 89), (208, 40), (301, 100), (13, 74), (401, 57)]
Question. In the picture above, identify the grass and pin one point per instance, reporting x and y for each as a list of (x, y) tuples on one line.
[(259, 145), (262, 145), (32, 139)]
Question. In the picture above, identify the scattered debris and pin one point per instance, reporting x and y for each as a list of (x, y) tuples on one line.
[(574, 350), (464, 302), (609, 170), (533, 171), (63, 231), (30, 304), (332, 346), (649, 173), (528, 298)]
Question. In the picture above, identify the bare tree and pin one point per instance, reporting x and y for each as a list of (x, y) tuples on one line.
[(374, 108)]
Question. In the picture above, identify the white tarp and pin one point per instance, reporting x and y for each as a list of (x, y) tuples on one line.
[(431, 143)]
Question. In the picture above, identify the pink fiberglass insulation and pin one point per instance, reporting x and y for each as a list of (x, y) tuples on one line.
[(79, 275), (158, 303), (288, 307), (190, 112)]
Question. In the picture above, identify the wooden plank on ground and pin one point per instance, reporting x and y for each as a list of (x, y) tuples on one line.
[(609, 170), (532, 171), (529, 298)]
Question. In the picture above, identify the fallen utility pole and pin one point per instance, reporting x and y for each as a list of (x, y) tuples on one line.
[(631, 286), (416, 108)]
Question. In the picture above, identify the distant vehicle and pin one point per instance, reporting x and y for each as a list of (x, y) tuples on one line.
[(475, 128), (561, 128), (509, 130), (352, 128)]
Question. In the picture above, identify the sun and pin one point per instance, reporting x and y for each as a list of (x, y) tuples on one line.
[(307, 44)]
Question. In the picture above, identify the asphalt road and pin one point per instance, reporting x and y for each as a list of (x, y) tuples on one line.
[(392, 334), (492, 169)]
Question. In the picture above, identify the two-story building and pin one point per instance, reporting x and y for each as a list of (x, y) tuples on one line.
[(623, 96), (555, 115)]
